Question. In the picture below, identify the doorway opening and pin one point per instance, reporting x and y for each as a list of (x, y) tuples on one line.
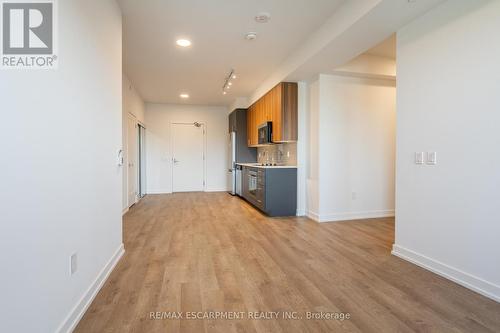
[(358, 102), (132, 158), (136, 160), (142, 160)]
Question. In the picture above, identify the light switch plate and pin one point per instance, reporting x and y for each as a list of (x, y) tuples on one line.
[(432, 158), (73, 265), (419, 158)]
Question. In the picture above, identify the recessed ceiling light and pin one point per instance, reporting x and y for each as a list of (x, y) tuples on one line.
[(224, 92), (183, 42), (263, 17), (184, 96), (251, 36), (234, 76), (230, 83)]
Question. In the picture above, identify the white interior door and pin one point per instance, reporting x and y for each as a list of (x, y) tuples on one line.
[(188, 164), (132, 139)]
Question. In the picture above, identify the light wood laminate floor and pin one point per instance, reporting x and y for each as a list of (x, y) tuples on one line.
[(213, 252)]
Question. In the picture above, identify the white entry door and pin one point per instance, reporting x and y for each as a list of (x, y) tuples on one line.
[(188, 161), (132, 160)]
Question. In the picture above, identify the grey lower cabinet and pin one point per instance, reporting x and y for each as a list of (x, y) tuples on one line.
[(272, 190)]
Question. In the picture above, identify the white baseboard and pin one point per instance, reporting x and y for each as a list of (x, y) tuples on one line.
[(170, 192), (159, 192), (313, 215), (69, 324), (335, 217), (467, 280), (301, 212)]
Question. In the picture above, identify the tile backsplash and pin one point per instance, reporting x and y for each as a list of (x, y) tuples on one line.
[(281, 154)]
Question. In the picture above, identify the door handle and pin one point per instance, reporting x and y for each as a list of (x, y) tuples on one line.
[(175, 160)]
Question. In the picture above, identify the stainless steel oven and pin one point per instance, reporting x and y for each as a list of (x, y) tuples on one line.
[(252, 183), (254, 186)]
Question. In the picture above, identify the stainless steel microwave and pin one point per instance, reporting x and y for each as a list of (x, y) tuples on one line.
[(266, 133)]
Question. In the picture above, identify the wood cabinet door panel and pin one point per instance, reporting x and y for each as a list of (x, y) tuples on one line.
[(289, 112), (277, 112)]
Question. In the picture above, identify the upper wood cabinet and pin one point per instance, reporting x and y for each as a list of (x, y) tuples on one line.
[(278, 106), (252, 135)]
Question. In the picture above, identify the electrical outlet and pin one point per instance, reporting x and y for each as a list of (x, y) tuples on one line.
[(73, 263), (432, 158), (419, 158)]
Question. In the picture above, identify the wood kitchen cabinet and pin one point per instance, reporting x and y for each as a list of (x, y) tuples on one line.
[(278, 106), (252, 138), (284, 112)]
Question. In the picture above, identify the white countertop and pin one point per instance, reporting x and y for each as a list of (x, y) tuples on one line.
[(257, 165)]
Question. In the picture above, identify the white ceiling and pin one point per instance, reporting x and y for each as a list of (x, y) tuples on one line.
[(160, 70), (353, 29)]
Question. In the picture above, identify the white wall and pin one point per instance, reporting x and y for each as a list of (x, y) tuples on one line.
[(301, 158), (447, 216), (239, 103), (312, 158), (352, 148), (368, 65), (133, 104), (61, 185), (132, 100), (159, 158)]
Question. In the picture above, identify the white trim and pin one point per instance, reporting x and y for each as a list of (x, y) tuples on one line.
[(69, 324), (136, 133), (301, 146), (301, 212), (136, 118), (216, 190), (467, 280), (159, 191), (347, 216), (125, 211), (364, 75), (170, 192), (313, 215)]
